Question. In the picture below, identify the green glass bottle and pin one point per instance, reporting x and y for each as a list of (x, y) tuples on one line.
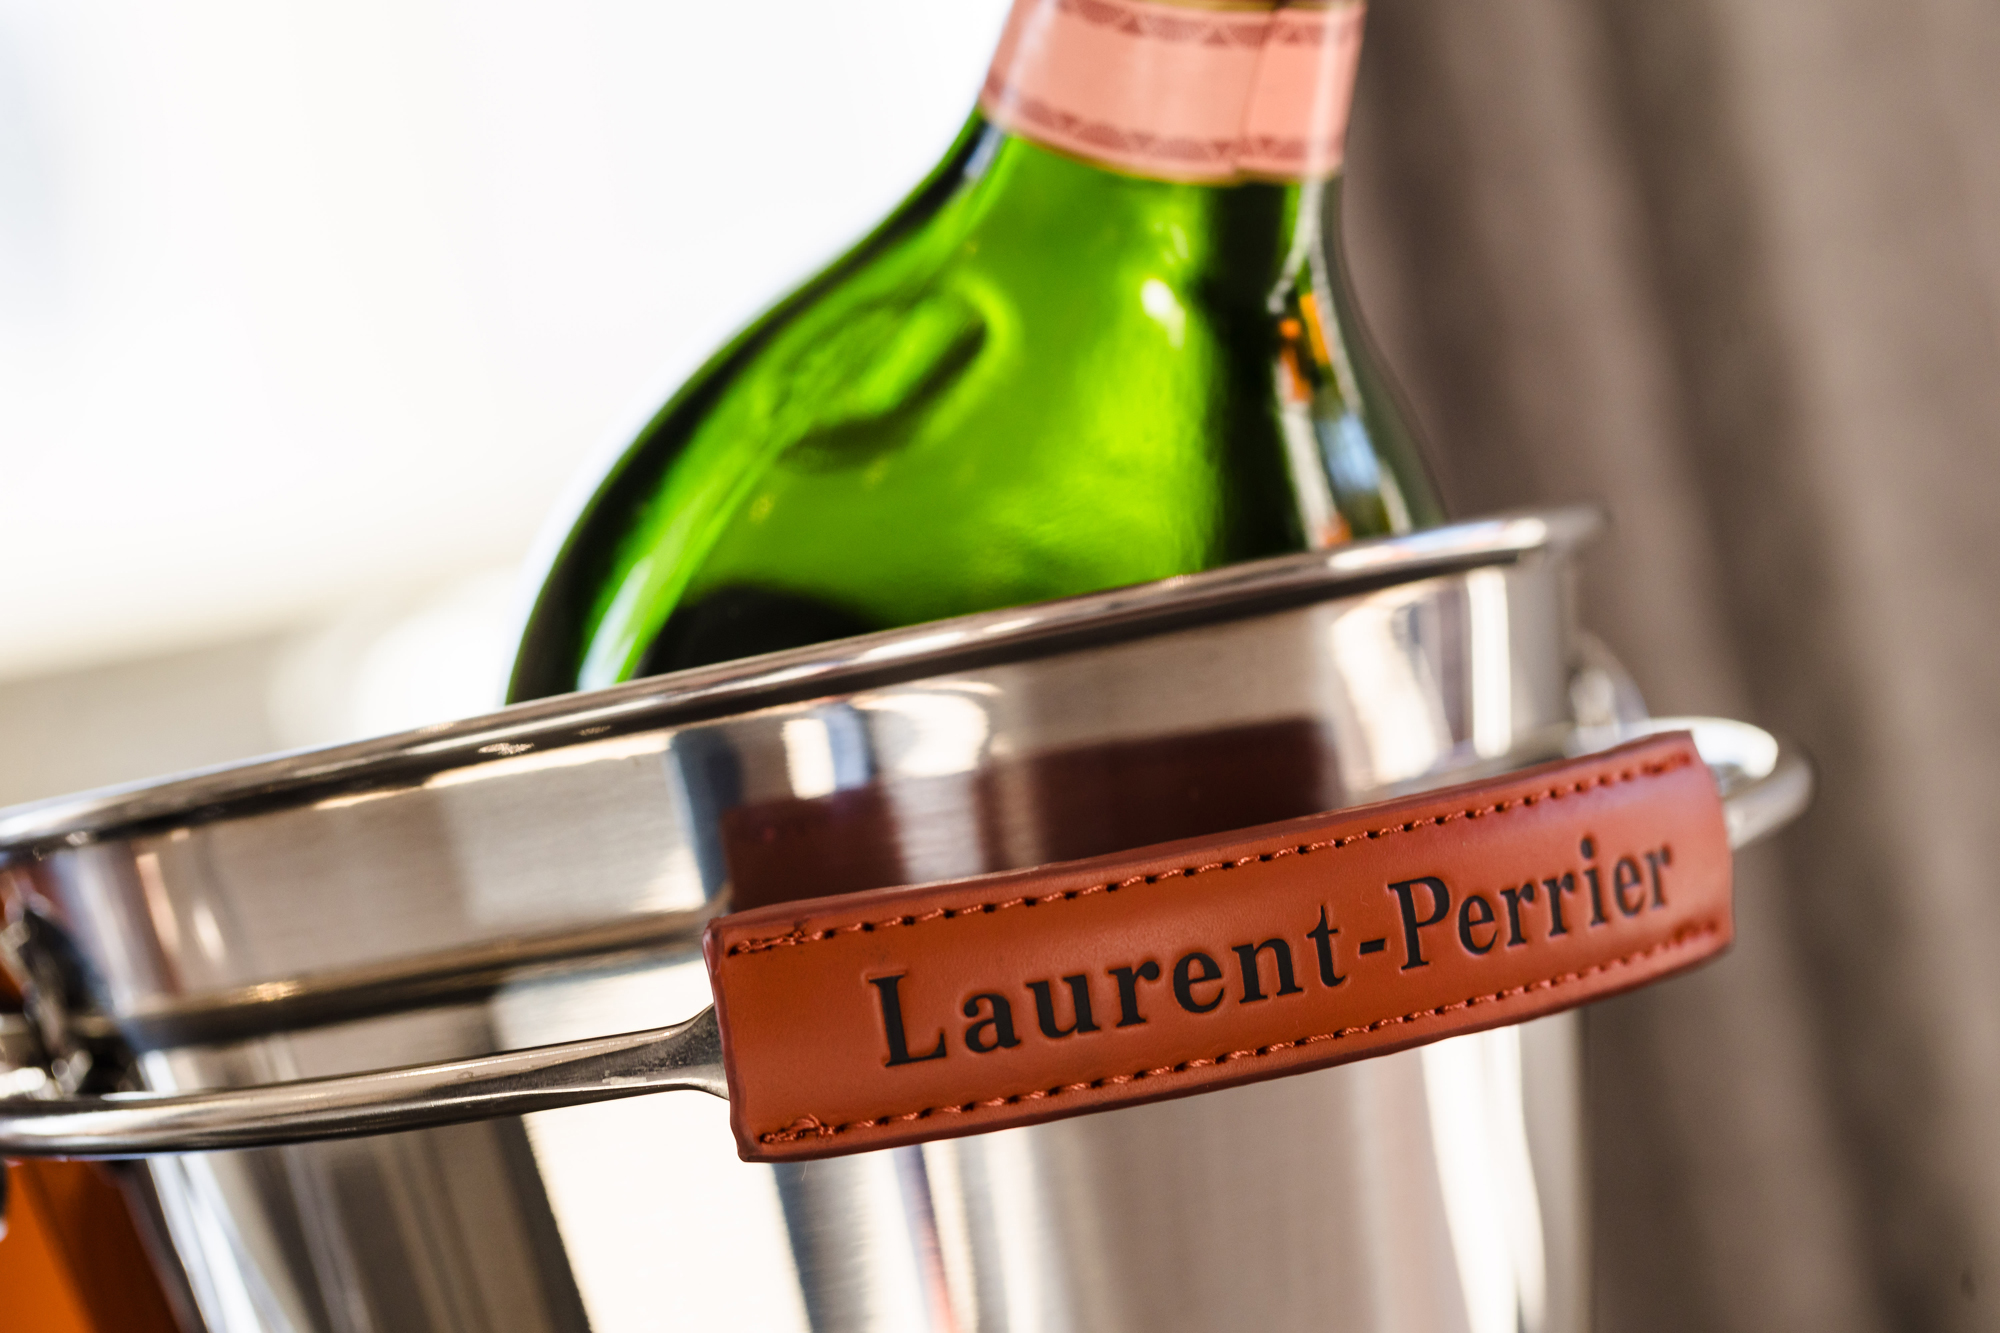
[(1108, 341)]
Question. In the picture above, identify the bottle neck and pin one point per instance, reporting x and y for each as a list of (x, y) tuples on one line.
[(1234, 112), (1257, 263), (1206, 93)]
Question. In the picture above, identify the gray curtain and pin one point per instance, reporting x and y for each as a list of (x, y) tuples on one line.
[(1731, 268)]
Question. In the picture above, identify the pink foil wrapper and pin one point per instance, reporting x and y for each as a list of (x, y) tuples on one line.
[(1177, 92)]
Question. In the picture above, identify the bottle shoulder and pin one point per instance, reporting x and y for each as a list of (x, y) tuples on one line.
[(1036, 379)]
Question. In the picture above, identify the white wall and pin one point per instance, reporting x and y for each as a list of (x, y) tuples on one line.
[(303, 301)]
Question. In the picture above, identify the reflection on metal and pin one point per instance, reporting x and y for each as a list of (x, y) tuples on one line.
[(1392, 685), (809, 757), (649, 1188), (448, 976), (1473, 1087), (482, 902), (928, 733), (225, 1275), (1491, 663)]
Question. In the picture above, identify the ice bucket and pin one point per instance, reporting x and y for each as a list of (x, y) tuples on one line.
[(221, 967)]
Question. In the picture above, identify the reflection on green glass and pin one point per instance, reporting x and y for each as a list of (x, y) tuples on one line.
[(1037, 378)]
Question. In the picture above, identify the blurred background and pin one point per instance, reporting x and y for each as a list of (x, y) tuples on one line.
[(312, 317)]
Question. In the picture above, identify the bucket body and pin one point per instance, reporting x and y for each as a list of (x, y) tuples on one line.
[(536, 877)]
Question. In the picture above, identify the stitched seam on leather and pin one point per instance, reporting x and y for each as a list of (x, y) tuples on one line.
[(1555, 793), (812, 1127)]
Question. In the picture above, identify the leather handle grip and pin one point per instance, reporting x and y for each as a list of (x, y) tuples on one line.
[(899, 1015)]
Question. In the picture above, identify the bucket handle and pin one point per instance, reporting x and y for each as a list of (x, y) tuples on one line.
[(1762, 784)]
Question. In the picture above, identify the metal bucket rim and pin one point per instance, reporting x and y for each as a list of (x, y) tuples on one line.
[(747, 685)]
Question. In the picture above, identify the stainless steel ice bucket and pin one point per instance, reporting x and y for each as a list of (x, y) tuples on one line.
[(541, 875)]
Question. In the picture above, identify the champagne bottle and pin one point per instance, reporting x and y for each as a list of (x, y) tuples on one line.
[(1109, 340)]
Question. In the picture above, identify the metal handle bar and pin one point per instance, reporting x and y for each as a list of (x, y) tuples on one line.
[(572, 1073), (1764, 785)]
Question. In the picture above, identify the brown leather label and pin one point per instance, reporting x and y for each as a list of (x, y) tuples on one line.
[(900, 1015)]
